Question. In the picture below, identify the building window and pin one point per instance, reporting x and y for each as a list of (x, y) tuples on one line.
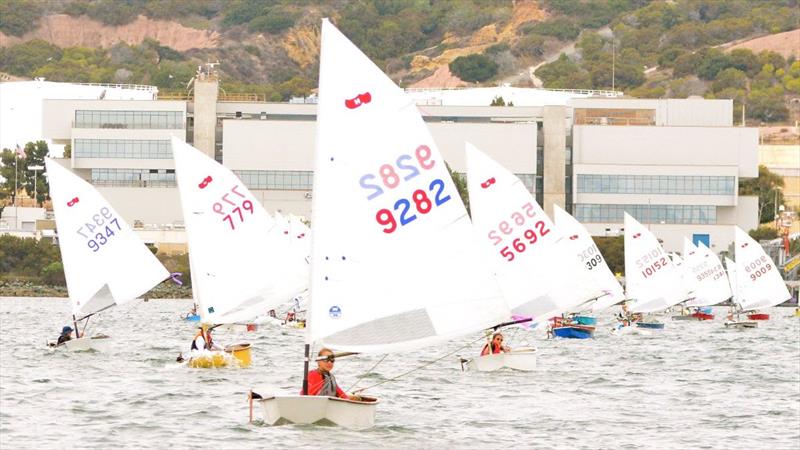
[(672, 214), (122, 148), (152, 120), (134, 177), (656, 184), (277, 179)]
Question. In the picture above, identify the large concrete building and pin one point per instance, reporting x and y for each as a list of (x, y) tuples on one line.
[(673, 164)]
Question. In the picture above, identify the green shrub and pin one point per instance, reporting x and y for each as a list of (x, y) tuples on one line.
[(474, 68), (53, 275)]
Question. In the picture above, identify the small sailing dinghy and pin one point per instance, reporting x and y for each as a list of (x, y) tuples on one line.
[(236, 269), (592, 261), (534, 262), (652, 279), (105, 262), (759, 284), (711, 285), (733, 320), (393, 260)]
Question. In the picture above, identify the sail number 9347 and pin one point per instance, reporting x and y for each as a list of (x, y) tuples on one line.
[(101, 222)]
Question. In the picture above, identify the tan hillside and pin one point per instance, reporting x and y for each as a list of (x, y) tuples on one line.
[(524, 11), (787, 44), (67, 31)]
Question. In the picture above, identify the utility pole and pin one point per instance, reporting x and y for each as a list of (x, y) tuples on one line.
[(35, 170)]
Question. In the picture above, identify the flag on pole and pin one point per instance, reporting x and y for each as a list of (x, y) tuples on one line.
[(20, 152)]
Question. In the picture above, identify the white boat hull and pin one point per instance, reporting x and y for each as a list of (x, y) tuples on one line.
[(519, 359), (319, 410), (741, 324), (98, 343)]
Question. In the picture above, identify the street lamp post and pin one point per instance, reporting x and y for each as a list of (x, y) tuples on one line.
[(35, 170)]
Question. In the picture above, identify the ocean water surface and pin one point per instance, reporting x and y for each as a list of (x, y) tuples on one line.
[(692, 385)]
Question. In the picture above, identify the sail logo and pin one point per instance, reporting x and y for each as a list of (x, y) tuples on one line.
[(573, 237), (301, 236), (360, 99), (744, 245), (637, 235), (205, 182), (486, 184), (72, 202), (335, 312)]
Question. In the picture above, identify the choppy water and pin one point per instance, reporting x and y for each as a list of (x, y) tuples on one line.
[(694, 385)]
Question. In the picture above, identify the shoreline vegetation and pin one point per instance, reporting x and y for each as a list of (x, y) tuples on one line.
[(15, 288)]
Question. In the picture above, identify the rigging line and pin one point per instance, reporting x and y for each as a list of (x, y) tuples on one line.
[(420, 367), (358, 380)]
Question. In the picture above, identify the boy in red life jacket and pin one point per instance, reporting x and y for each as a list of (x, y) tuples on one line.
[(322, 382), (497, 345)]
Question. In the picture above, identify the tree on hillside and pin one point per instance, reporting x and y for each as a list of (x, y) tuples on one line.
[(17, 17), (474, 68), (767, 188)]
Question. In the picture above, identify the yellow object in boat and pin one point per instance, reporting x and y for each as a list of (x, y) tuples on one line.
[(236, 355), (797, 312), (241, 352)]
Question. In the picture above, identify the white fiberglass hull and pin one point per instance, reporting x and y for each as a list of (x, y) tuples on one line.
[(98, 343), (319, 410), (519, 359)]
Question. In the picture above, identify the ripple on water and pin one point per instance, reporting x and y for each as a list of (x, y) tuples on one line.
[(691, 386)]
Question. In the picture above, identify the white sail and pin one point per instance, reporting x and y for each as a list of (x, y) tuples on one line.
[(711, 283), (105, 262), (539, 276), (290, 243), (394, 263), (760, 283), (591, 259), (732, 281), (229, 234), (687, 280), (652, 280)]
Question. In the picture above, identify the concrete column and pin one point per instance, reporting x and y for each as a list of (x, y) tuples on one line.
[(555, 153), (206, 89)]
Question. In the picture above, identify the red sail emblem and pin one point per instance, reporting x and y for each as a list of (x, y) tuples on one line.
[(637, 235), (205, 182), (573, 237), (360, 99), (744, 245), (72, 202), (488, 183), (301, 235)]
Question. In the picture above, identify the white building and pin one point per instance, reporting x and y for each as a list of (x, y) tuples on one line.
[(674, 164)]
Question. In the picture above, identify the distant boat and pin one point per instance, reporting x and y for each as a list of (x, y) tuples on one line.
[(652, 279), (393, 264), (759, 285), (105, 262), (236, 251)]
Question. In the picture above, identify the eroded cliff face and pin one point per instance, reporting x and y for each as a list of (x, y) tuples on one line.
[(67, 31)]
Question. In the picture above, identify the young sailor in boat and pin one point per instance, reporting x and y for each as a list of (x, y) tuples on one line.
[(322, 382), (66, 335), (203, 341), (497, 345)]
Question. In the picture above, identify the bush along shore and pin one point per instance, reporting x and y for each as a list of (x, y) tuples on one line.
[(15, 288)]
